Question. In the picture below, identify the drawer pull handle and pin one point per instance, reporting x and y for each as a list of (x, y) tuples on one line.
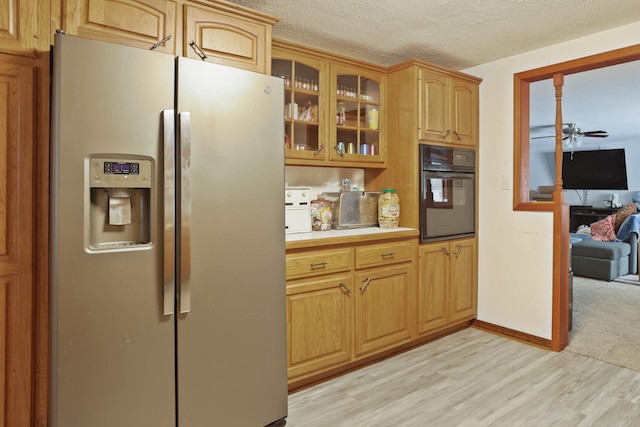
[(446, 134), (388, 255), (457, 135), (446, 252), (318, 264), (366, 283), (345, 288)]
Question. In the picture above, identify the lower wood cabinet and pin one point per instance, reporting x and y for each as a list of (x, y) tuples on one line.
[(347, 302), (447, 285), (383, 308), (319, 324), (352, 302)]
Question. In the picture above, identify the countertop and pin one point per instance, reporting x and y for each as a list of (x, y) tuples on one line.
[(334, 237)]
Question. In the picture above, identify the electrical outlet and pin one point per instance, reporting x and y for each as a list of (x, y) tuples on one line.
[(506, 182)]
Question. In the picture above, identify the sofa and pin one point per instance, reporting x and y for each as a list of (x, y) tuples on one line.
[(603, 257), (603, 260)]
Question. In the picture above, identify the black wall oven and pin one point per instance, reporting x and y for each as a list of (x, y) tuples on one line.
[(447, 193)]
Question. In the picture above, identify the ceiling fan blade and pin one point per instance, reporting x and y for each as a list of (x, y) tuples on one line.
[(596, 136)]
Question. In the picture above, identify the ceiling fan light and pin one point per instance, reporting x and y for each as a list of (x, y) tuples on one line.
[(578, 142)]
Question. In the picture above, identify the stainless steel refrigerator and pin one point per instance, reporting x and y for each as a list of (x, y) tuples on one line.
[(167, 253)]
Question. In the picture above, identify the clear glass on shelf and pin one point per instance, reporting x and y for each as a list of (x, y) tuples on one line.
[(301, 107), (357, 117)]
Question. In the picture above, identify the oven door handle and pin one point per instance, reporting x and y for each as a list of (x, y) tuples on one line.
[(449, 175)]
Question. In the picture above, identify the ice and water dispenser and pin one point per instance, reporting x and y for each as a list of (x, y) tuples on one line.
[(120, 203)]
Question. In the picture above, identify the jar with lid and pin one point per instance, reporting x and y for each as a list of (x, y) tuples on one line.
[(321, 214), (388, 209)]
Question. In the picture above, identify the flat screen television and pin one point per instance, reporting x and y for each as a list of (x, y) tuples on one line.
[(594, 170)]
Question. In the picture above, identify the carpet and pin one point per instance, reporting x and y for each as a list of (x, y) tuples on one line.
[(606, 322), (631, 279)]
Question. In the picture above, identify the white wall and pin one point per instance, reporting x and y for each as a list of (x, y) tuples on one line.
[(323, 179), (515, 248)]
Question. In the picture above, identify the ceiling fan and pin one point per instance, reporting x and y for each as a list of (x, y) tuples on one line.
[(571, 135)]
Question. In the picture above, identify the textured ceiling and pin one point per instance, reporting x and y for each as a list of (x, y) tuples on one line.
[(462, 33), (453, 33)]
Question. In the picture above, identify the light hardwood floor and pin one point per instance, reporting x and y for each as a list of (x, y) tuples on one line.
[(474, 378)]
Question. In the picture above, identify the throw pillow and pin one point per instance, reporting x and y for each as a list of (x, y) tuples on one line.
[(624, 213), (603, 230)]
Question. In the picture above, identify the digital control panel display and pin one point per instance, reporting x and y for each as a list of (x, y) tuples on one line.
[(121, 168)]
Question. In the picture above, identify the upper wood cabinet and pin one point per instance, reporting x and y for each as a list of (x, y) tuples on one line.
[(228, 34), (306, 94), (432, 104), (448, 109), (18, 26), (357, 96), (213, 30), (334, 112), (138, 23)]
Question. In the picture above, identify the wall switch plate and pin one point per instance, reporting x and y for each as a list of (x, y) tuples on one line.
[(506, 182)]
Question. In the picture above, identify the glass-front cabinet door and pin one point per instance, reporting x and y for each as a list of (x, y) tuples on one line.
[(304, 83), (356, 103)]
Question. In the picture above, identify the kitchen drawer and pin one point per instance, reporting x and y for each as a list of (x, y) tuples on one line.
[(314, 263), (384, 253)]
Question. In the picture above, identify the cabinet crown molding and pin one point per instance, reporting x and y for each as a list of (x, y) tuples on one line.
[(428, 65), (238, 10), (325, 54)]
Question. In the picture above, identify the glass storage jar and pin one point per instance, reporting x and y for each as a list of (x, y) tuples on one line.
[(321, 214), (388, 209)]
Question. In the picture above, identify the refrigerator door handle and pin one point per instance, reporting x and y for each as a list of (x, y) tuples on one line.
[(185, 212), (169, 286)]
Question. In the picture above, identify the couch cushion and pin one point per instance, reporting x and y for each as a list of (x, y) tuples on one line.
[(578, 237), (604, 230), (601, 269), (623, 213), (603, 250)]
